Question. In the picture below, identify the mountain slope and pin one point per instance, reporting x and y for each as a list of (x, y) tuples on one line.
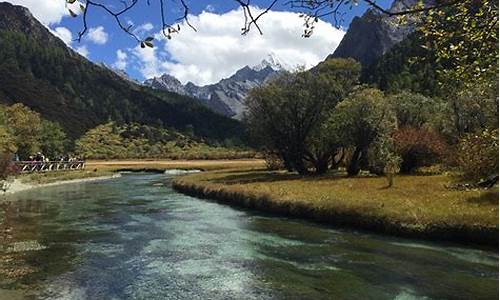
[(372, 35), (394, 72), (227, 96), (37, 69)]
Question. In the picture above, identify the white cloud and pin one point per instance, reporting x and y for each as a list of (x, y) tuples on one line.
[(146, 27), (82, 50), (218, 49), (210, 8), (121, 60), (97, 35), (150, 64), (64, 34), (48, 11)]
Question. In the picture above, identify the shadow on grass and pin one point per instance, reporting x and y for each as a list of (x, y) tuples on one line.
[(253, 176), (243, 178), (489, 197)]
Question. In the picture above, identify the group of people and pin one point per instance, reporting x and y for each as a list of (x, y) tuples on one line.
[(40, 157)]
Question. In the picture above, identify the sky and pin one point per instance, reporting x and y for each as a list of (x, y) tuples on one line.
[(215, 51)]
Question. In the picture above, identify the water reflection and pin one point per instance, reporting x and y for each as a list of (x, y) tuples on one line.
[(135, 238)]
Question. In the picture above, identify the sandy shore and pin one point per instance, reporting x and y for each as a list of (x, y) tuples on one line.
[(18, 186)]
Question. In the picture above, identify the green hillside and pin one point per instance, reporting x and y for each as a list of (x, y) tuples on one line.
[(38, 70), (396, 70)]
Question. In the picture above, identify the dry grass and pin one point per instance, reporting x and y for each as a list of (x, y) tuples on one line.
[(415, 203), (50, 177), (161, 165)]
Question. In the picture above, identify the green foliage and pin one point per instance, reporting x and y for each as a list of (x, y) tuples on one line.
[(104, 141), (398, 70), (25, 126), (382, 158), (53, 139), (473, 109), (478, 154), (24, 132), (415, 110), (287, 116), (7, 141), (464, 39), (113, 141), (360, 119)]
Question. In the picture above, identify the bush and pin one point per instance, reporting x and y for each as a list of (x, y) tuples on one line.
[(273, 161), (7, 169), (418, 147), (477, 155)]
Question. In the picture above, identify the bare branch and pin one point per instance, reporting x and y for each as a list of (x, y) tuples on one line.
[(311, 11)]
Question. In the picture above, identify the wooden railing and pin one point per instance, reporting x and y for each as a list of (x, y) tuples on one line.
[(46, 166)]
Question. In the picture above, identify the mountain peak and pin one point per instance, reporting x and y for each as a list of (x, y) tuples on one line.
[(373, 34), (271, 61)]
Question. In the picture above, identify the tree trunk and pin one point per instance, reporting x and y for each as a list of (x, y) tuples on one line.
[(321, 165), (336, 163), (299, 166), (353, 168), (390, 180)]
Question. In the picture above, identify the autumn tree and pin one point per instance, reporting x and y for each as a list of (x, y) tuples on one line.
[(7, 141), (104, 141), (25, 126)]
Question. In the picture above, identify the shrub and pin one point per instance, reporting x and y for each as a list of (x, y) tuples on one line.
[(273, 161), (418, 147), (7, 169), (382, 159), (477, 155)]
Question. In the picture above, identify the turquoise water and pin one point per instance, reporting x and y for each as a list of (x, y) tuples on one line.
[(135, 238)]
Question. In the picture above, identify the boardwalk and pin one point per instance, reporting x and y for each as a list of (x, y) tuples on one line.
[(46, 166)]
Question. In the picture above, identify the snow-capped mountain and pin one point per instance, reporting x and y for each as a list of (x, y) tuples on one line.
[(272, 61), (227, 96)]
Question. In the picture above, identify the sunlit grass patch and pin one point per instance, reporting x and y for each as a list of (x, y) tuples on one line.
[(416, 203)]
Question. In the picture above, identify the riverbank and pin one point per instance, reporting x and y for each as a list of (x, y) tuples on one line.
[(104, 169), (162, 165), (38, 180), (417, 206)]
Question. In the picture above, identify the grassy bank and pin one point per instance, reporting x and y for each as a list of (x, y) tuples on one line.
[(417, 206), (51, 177), (161, 165), (106, 168)]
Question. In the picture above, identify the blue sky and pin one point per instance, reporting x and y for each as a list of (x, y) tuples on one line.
[(212, 53)]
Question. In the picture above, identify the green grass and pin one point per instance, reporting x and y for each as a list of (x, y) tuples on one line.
[(50, 177), (415, 203)]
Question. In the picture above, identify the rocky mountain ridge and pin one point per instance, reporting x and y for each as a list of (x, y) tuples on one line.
[(373, 34), (226, 96)]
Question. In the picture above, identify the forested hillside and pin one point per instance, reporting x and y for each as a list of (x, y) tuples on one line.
[(38, 70), (399, 69)]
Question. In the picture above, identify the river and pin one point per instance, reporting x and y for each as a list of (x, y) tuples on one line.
[(134, 237)]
